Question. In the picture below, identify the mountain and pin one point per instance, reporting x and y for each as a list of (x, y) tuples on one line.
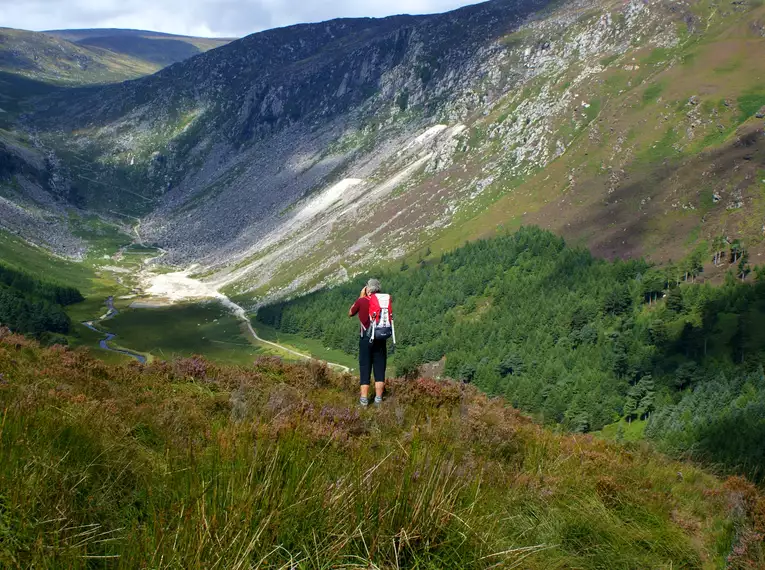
[(88, 57), (153, 47), (43, 58), (298, 156), (34, 64), (316, 154)]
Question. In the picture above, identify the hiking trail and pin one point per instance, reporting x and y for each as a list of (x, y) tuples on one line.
[(241, 314)]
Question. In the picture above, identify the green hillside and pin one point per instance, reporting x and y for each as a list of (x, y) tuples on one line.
[(577, 340), (87, 57), (191, 465), (47, 59), (22, 256), (33, 306), (152, 47), (665, 147)]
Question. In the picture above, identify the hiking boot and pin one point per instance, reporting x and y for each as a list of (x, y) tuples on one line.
[(364, 402), (378, 400)]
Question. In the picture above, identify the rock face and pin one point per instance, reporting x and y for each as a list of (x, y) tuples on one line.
[(32, 202), (215, 148), (298, 156)]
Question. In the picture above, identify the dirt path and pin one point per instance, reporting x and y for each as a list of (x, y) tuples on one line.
[(254, 334), (180, 286), (241, 314)]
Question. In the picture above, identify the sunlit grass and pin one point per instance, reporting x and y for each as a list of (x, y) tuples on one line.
[(184, 330), (191, 465)]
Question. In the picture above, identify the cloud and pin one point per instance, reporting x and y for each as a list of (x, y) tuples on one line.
[(229, 18)]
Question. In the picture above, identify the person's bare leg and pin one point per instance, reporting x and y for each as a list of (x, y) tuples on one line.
[(365, 390), (379, 389)]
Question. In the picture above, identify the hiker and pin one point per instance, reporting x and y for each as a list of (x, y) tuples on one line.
[(376, 318)]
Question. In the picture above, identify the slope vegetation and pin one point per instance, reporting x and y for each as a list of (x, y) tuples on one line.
[(153, 47), (32, 306), (191, 465), (296, 156), (86, 57), (47, 59), (577, 340)]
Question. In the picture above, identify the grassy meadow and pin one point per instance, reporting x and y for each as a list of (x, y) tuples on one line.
[(189, 464), (184, 330)]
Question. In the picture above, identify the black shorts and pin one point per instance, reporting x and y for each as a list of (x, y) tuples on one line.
[(372, 356)]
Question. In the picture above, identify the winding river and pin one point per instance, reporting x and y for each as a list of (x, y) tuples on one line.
[(238, 311), (104, 342)]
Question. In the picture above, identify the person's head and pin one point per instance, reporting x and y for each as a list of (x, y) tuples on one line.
[(373, 286)]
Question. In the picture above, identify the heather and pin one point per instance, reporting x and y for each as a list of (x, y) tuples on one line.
[(580, 341), (188, 464)]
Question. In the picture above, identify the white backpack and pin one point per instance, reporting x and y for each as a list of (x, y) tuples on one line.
[(380, 318)]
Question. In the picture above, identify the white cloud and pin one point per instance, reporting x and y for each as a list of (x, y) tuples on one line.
[(202, 17)]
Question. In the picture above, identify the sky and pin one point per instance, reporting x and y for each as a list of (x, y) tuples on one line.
[(209, 18)]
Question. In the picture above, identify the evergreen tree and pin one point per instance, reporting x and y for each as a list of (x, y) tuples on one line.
[(557, 332), (675, 301), (647, 391)]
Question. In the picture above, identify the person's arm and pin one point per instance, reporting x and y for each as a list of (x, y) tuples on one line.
[(354, 310)]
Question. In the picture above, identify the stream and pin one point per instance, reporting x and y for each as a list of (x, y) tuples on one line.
[(180, 286), (104, 342)]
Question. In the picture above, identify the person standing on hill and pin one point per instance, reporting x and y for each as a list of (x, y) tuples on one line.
[(376, 318)]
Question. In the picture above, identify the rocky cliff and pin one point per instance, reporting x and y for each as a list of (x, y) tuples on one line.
[(296, 156)]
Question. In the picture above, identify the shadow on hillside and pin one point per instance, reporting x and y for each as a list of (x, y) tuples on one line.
[(716, 369), (627, 217), (14, 89), (159, 51), (736, 440)]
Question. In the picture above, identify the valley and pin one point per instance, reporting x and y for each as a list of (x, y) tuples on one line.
[(566, 201), (300, 158), (209, 190), (150, 312)]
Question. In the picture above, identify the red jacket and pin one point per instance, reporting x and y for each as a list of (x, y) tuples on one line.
[(361, 308)]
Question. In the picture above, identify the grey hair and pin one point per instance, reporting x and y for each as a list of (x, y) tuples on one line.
[(373, 286)]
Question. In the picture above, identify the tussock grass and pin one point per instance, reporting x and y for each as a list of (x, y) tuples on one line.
[(192, 465)]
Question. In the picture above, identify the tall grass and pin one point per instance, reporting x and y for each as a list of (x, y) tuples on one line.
[(191, 465)]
